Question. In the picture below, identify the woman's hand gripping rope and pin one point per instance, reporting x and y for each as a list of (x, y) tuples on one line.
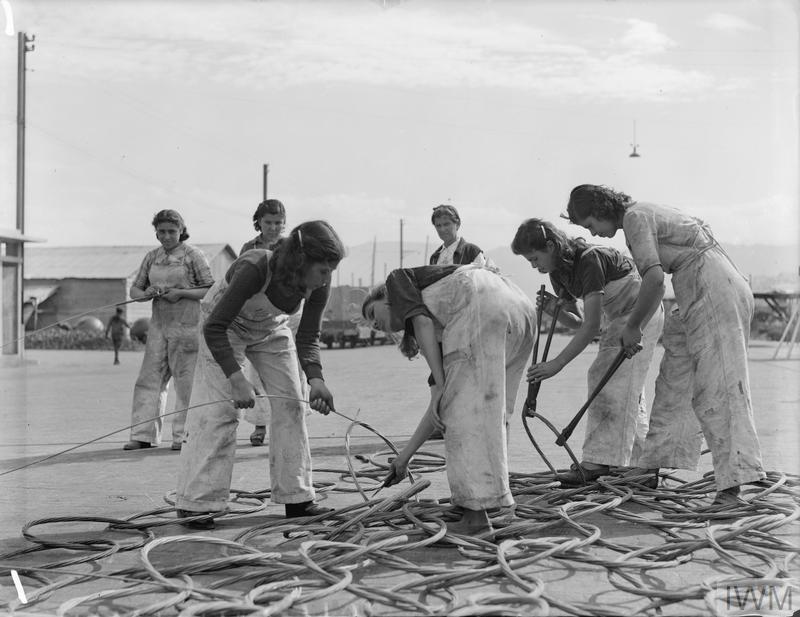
[(244, 394)]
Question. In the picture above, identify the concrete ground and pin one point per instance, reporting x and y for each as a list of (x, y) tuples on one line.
[(59, 400)]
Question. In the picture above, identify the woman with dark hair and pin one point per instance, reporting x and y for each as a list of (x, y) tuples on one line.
[(175, 276), (607, 283), (247, 316), (269, 221), (704, 367), (486, 328)]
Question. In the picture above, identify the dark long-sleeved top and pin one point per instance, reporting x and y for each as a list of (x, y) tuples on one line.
[(404, 292), (246, 277), (465, 253)]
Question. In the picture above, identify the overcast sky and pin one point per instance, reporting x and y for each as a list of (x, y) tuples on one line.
[(368, 112)]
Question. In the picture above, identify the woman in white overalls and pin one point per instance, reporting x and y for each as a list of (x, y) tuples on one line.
[(486, 326), (247, 317), (269, 220), (608, 284), (175, 276), (706, 350)]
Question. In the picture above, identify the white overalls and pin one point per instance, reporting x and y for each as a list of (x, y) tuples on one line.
[(170, 353), (259, 413), (488, 329), (705, 354), (617, 419), (261, 334)]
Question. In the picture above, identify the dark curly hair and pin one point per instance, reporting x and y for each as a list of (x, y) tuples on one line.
[(598, 201), (308, 243), (268, 206), (534, 234), (408, 345), (171, 216)]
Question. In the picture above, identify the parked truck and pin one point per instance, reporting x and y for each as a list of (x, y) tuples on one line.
[(340, 321), (341, 315)]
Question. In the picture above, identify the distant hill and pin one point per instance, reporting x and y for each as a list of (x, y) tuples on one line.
[(768, 267)]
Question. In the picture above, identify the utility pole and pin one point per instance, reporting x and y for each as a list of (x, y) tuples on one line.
[(372, 272), (24, 45), (266, 173), (401, 243)]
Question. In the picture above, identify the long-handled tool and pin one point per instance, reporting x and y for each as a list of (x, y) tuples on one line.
[(533, 387), (567, 432), (529, 408)]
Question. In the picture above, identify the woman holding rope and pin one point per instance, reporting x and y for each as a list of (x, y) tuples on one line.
[(175, 276), (704, 367), (486, 326), (608, 284), (247, 317)]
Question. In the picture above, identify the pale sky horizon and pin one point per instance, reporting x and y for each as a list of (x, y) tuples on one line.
[(368, 112)]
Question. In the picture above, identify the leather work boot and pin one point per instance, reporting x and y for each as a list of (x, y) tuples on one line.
[(305, 508), (258, 435), (204, 524), (574, 477)]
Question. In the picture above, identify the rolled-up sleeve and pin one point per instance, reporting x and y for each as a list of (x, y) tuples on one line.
[(199, 271), (641, 234), (142, 279), (405, 298)]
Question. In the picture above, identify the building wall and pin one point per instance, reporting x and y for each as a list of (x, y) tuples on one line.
[(95, 297)]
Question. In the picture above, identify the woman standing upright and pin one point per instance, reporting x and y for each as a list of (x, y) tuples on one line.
[(704, 367), (176, 276), (608, 284), (269, 220)]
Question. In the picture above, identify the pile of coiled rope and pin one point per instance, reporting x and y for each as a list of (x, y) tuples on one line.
[(393, 555)]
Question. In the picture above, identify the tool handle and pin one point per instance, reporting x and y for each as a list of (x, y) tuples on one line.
[(567, 432), (533, 387)]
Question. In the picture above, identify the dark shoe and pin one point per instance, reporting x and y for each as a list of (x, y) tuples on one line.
[(257, 436), (578, 475), (187, 519), (177, 445), (305, 508), (728, 497), (134, 444)]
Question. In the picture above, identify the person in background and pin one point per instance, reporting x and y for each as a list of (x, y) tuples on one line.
[(475, 329), (607, 282), (175, 276), (247, 315), (704, 367), (454, 250), (269, 220), (116, 325)]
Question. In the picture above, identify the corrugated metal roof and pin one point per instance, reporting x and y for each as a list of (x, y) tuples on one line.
[(93, 262)]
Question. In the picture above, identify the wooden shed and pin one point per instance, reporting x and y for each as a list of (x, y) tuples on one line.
[(63, 282)]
